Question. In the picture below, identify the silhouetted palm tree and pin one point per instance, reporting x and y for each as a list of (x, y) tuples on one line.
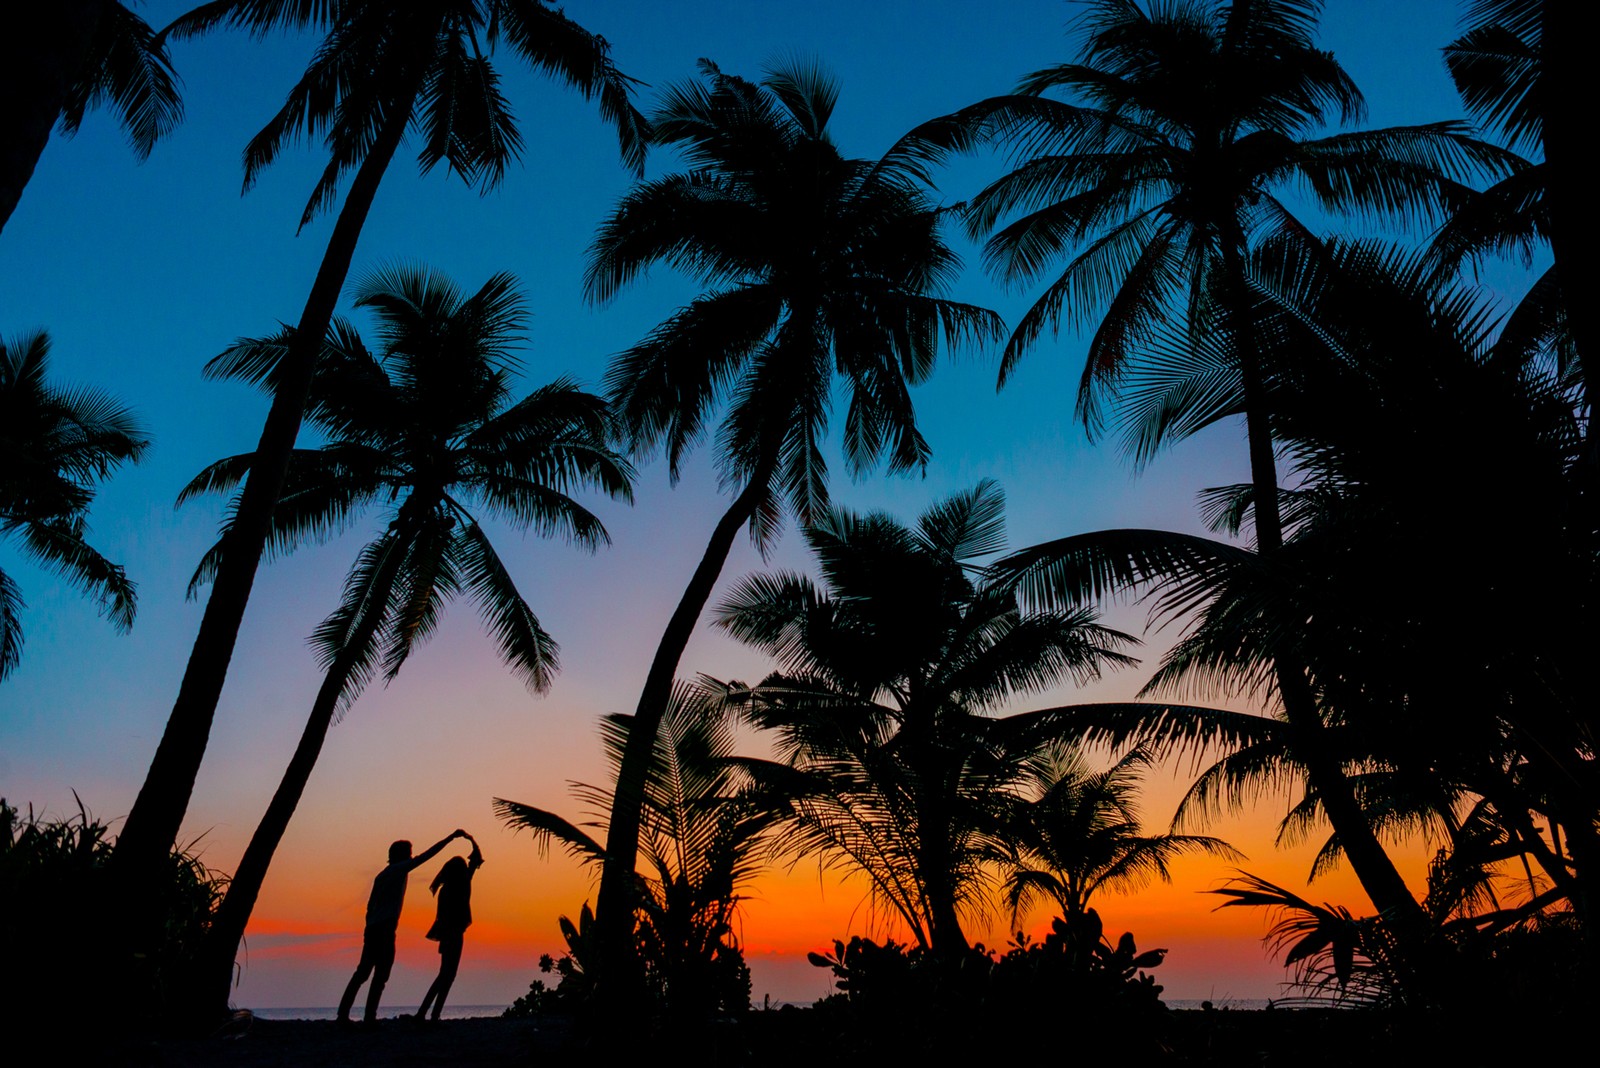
[(816, 266), (1374, 364), (1076, 832), (426, 428), (58, 444), (1527, 82), (60, 59), (890, 760), (699, 841), (383, 68), (1192, 116)]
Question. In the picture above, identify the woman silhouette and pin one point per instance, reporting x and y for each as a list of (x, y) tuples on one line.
[(453, 887)]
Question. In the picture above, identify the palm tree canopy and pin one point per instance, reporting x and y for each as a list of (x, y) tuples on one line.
[(691, 818), (1375, 357), (814, 265), (887, 763), (58, 445), (428, 60), (1185, 122), (698, 839), (428, 428), (127, 68), (1496, 65), (1077, 832)]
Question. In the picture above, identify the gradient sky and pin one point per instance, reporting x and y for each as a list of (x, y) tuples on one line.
[(143, 272)]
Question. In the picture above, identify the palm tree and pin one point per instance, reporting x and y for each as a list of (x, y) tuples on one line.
[(699, 841), (1193, 116), (58, 444), (814, 264), (1375, 364), (60, 59), (1077, 832), (890, 760), (425, 427), (1515, 68), (383, 68)]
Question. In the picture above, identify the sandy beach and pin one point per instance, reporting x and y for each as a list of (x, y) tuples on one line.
[(481, 1042)]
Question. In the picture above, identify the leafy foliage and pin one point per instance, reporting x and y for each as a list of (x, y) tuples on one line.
[(888, 762), (698, 844), (815, 265), (58, 444), (427, 64), (1182, 124), (905, 998), (429, 428), (54, 893)]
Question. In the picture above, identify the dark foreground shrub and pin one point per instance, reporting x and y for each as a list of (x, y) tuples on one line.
[(1074, 989), (53, 926)]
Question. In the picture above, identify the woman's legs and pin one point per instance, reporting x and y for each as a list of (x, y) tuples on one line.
[(449, 962)]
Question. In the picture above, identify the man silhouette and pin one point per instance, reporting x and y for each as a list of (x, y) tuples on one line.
[(383, 917)]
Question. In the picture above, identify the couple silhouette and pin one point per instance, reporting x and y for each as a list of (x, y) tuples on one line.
[(453, 888)]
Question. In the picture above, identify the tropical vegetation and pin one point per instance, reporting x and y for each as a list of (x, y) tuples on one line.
[(59, 61), (383, 69), (890, 759), (699, 842), (427, 426), (59, 444), (1383, 626), (817, 266)]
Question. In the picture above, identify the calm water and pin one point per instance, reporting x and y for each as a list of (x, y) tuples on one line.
[(451, 1012), (462, 1012)]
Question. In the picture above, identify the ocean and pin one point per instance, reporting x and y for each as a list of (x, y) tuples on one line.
[(462, 1012), (328, 1012)]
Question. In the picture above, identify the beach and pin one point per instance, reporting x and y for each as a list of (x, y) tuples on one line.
[(476, 1042)]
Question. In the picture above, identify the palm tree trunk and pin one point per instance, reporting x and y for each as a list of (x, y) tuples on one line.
[(615, 904), (42, 52), (1372, 865), (152, 825), (215, 978)]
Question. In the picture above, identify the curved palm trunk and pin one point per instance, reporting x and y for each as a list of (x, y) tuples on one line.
[(615, 905), (215, 978), (1371, 863), (44, 48), (152, 825)]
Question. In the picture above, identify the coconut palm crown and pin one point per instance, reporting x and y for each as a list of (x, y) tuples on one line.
[(891, 761), (57, 444), (383, 70), (816, 267), (426, 428)]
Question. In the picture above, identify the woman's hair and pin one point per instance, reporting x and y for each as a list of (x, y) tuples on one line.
[(454, 868)]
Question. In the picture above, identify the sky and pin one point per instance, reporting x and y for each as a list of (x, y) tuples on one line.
[(142, 272)]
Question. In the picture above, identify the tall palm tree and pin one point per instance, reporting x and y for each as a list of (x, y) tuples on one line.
[(815, 264), (1375, 364), (699, 840), (383, 68), (1187, 120), (58, 444), (890, 761), (1077, 832), (60, 59), (427, 428)]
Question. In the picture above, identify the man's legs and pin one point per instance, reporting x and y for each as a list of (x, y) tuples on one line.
[(363, 970), (382, 964), (377, 959)]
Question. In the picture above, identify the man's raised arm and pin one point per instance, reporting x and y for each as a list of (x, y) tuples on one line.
[(433, 850)]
